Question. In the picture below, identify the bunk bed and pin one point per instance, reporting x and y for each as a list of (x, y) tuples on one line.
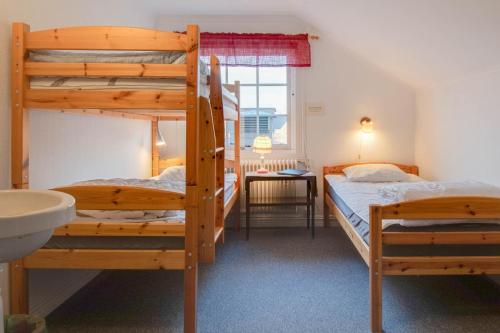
[(147, 85), (455, 249)]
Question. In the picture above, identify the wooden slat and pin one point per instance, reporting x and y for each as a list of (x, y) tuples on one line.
[(466, 265), (219, 231), (375, 268), (472, 208), (192, 175), (19, 287), (106, 113), (338, 169), (104, 69), (105, 259), (105, 99), (206, 226), (124, 198), (19, 115), (105, 38), (228, 205), (176, 161), (356, 239), (108, 228), (155, 153), (431, 238)]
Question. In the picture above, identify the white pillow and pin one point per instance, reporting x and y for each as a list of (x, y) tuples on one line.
[(374, 173), (174, 174)]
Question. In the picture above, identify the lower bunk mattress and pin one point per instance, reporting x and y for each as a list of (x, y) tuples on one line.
[(133, 243), (354, 198)]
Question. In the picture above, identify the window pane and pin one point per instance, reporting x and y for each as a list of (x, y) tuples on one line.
[(248, 125), (246, 75), (273, 98), (248, 97), (272, 75)]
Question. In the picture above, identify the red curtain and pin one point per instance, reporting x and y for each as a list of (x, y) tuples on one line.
[(265, 50)]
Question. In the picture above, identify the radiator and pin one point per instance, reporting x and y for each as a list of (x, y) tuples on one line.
[(273, 191)]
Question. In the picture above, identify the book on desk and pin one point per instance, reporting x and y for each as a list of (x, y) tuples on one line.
[(292, 172)]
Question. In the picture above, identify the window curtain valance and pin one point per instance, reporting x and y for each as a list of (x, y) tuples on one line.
[(257, 49)]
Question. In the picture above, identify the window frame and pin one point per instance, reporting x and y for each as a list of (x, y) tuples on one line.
[(290, 86)]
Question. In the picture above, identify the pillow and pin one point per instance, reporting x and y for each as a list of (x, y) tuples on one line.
[(374, 173), (174, 174)]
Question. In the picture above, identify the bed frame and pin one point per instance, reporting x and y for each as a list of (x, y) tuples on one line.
[(202, 112), (471, 208)]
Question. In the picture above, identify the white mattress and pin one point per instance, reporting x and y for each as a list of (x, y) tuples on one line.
[(358, 196), (106, 83), (148, 215)]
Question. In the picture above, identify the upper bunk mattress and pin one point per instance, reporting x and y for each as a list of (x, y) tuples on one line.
[(354, 200), (105, 83)]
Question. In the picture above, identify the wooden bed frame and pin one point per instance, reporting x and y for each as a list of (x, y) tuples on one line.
[(473, 208), (203, 112)]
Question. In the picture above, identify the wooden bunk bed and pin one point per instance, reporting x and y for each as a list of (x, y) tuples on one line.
[(381, 263), (204, 152)]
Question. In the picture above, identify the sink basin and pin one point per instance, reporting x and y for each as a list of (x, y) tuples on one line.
[(28, 218)]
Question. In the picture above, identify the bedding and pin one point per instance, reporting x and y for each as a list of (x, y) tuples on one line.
[(168, 184), (122, 83), (375, 173), (358, 217), (356, 197)]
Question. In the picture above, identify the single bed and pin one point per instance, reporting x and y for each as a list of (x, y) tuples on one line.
[(433, 236)]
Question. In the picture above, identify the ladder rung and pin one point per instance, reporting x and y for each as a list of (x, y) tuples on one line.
[(219, 191)]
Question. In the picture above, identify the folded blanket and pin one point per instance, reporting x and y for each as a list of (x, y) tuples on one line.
[(425, 190)]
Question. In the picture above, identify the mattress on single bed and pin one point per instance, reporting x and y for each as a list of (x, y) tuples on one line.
[(122, 83), (354, 198)]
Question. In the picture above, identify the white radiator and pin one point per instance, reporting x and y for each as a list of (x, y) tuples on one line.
[(273, 191)]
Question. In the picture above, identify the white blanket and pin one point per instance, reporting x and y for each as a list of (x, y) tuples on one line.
[(150, 215), (358, 196)]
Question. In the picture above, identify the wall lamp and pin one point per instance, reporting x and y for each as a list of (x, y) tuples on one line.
[(366, 125)]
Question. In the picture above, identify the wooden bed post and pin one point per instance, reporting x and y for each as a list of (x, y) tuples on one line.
[(237, 154), (19, 156), (376, 268), (326, 208), (192, 178), (155, 155)]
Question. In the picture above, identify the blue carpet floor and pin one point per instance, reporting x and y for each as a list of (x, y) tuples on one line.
[(281, 281)]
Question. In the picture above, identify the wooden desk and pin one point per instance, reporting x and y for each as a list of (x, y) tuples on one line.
[(312, 193)]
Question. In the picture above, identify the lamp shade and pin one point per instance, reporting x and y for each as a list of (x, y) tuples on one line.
[(262, 144), (160, 140)]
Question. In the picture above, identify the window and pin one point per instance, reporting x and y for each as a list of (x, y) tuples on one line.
[(265, 103)]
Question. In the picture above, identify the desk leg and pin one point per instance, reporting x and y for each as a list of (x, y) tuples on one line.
[(247, 211), (308, 205), (313, 206)]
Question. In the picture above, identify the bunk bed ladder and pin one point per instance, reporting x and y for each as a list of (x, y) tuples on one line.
[(220, 152)]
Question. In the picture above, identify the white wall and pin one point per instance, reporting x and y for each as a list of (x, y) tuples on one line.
[(348, 87), (457, 131), (68, 148)]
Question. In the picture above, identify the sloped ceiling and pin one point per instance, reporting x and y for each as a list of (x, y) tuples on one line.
[(422, 42)]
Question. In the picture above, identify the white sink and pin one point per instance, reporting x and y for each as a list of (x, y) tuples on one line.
[(28, 218)]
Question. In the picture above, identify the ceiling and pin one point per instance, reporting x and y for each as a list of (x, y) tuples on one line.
[(422, 42)]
